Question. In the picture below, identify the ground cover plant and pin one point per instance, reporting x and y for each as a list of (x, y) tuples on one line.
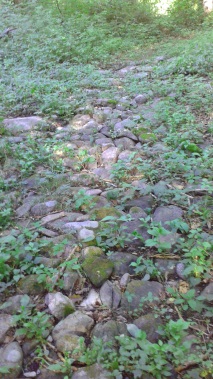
[(106, 189)]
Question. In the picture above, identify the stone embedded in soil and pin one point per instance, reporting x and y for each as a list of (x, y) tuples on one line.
[(67, 332), (6, 324), (21, 124), (97, 268), (122, 263), (102, 173), (180, 267), (137, 291), (144, 202), (108, 331), (125, 279), (134, 226), (160, 188), (91, 372), (11, 357), (75, 226), (124, 143), (70, 279), (110, 295), (103, 212), (86, 234), (207, 293), (141, 99), (91, 301), (79, 121), (29, 285), (59, 305), (149, 324), (110, 156), (166, 266), (167, 213), (14, 303), (47, 374), (43, 209)]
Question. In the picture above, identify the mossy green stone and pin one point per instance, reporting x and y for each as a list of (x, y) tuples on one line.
[(29, 285), (101, 213), (98, 269)]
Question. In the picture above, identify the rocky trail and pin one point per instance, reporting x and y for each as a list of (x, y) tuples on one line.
[(99, 217)]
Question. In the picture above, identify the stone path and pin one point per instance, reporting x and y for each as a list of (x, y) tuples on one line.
[(95, 188)]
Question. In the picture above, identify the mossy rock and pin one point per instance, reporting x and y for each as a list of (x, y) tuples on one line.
[(101, 213), (98, 269), (92, 251), (29, 285)]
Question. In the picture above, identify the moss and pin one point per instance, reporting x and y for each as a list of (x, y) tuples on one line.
[(98, 269), (99, 214)]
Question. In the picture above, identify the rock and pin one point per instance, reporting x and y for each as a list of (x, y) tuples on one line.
[(59, 305), (137, 291), (122, 263), (125, 156), (21, 124), (144, 202), (125, 279), (81, 224), (207, 293), (79, 121), (13, 304), (103, 212), (92, 300), (124, 143), (108, 331), (11, 357), (102, 172), (166, 266), (6, 324), (160, 188), (43, 209), (167, 213), (141, 99), (92, 251), (97, 268), (149, 324), (67, 332), (91, 372), (70, 279), (180, 267), (69, 342), (110, 295), (109, 156), (85, 234), (25, 208), (134, 226), (29, 285), (47, 374)]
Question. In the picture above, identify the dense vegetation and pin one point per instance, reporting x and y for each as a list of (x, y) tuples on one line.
[(56, 58)]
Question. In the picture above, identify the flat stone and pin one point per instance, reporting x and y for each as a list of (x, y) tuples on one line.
[(29, 285), (81, 224), (166, 266), (110, 295), (6, 324), (11, 356), (21, 124), (79, 121), (102, 173), (144, 202), (124, 143), (59, 305), (138, 291), (84, 234), (42, 209)]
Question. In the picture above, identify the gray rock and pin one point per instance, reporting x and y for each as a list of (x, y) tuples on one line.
[(108, 331), (141, 99), (163, 214), (59, 305), (144, 202), (29, 285), (67, 332), (125, 279), (134, 298), (160, 188), (43, 209), (102, 172), (91, 301), (122, 263), (85, 234), (180, 267), (78, 225), (207, 293), (166, 266), (124, 143), (11, 356), (132, 226), (91, 372), (109, 156), (149, 324), (47, 374), (21, 124), (13, 304), (110, 295), (6, 324), (79, 121), (70, 279)]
